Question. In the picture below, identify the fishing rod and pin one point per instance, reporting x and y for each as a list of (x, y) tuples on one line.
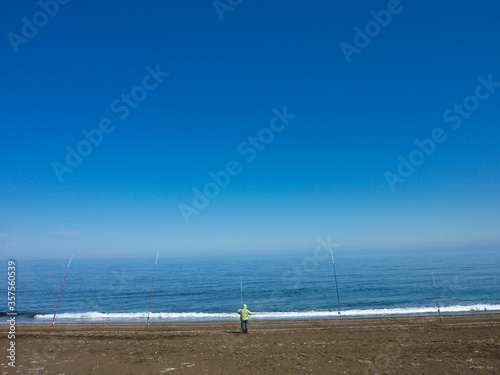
[(58, 298), (152, 285), (437, 299), (337, 288), (241, 291)]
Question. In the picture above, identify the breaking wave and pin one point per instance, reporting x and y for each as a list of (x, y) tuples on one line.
[(200, 316)]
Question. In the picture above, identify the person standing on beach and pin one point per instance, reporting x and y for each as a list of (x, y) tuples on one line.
[(244, 313)]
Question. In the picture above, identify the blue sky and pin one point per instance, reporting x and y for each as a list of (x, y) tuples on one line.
[(325, 172)]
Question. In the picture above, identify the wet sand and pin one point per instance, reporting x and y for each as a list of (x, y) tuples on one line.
[(468, 344)]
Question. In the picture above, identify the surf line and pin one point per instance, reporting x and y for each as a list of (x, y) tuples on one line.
[(152, 285), (337, 288), (58, 298), (437, 299)]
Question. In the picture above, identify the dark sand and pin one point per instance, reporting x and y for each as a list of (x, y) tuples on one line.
[(468, 344)]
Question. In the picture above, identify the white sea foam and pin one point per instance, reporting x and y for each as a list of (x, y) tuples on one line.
[(195, 316)]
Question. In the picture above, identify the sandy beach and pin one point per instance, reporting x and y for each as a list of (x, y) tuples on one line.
[(468, 344)]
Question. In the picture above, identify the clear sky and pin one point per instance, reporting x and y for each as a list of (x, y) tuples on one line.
[(333, 95)]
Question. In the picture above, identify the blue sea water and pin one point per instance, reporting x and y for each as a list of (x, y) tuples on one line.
[(286, 287)]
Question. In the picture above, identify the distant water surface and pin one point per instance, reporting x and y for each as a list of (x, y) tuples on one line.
[(297, 287)]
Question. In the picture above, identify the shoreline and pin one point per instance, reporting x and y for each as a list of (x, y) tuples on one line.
[(166, 317), (363, 346), (37, 321), (357, 321)]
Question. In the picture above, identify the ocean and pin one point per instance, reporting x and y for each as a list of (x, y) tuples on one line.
[(384, 283)]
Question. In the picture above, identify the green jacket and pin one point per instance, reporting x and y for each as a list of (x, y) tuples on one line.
[(244, 312)]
